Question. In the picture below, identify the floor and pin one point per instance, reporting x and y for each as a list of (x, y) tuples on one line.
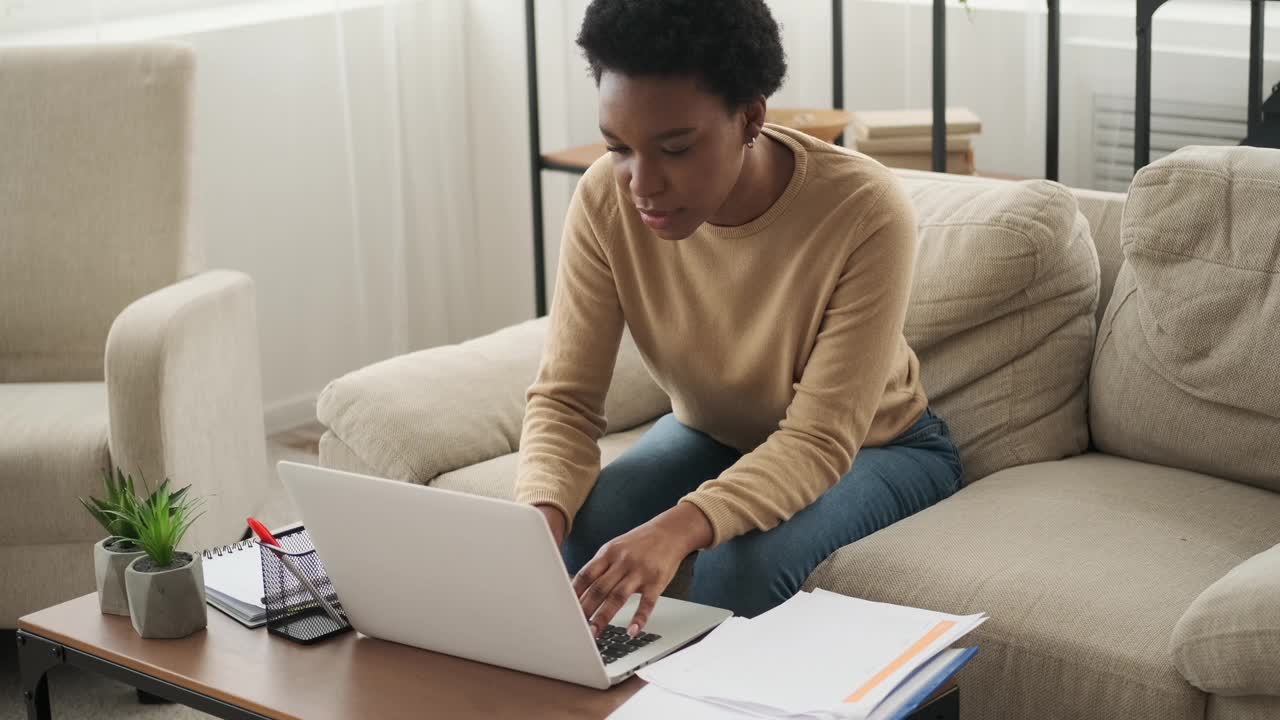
[(79, 695)]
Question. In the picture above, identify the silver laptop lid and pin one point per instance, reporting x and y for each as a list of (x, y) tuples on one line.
[(465, 575)]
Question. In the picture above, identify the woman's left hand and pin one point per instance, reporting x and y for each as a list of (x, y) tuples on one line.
[(641, 561)]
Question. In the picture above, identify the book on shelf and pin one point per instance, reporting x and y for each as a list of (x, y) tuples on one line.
[(880, 124), (912, 144), (959, 163)]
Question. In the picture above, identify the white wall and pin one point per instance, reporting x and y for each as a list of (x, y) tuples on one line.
[(271, 197), (302, 196)]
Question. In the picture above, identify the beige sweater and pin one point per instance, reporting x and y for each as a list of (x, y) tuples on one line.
[(781, 338)]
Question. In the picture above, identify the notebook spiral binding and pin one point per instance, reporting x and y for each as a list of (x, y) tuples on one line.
[(220, 550)]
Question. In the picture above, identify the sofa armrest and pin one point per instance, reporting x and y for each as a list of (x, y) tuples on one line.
[(184, 389), (419, 415), (1226, 642)]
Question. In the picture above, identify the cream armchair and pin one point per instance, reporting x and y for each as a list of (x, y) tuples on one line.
[(114, 349)]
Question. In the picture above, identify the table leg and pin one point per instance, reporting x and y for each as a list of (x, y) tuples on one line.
[(146, 698), (36, 656)]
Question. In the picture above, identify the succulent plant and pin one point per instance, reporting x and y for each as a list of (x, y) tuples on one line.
[(115, 511), (161, 521)]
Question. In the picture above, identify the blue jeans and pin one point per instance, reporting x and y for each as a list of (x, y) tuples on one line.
[(756, 571)]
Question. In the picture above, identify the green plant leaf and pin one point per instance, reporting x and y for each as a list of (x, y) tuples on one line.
[(103, 519), (115, 491), (161, 520)]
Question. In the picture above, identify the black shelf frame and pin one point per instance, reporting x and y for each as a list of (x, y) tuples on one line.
[(538, 163), (1052, 86), (1146, 10)]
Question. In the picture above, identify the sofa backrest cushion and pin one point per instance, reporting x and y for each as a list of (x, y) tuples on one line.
[(1103, 210), (1002, 317), (1187, 367), (416, 416)]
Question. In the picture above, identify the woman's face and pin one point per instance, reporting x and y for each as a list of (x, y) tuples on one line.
[(677, 149)]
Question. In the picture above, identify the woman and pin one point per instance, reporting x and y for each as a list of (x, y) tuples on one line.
[(764, 276)]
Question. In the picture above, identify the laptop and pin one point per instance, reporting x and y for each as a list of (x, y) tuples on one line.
[(471, 576)]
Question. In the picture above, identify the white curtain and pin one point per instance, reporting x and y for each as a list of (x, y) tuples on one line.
[(431, 181)]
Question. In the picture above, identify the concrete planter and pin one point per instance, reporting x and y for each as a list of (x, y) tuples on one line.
[(109, 567), (167, 603)]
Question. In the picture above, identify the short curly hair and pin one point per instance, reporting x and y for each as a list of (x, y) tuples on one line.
[(732, 46)]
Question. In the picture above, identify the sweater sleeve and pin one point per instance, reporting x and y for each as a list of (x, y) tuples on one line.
[(840, 387), (564, 416)]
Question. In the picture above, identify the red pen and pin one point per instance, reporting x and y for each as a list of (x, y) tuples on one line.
[(267, 538), (263, 533)]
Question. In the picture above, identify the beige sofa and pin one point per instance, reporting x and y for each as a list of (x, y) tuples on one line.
[(1109, 368), (115, 348)]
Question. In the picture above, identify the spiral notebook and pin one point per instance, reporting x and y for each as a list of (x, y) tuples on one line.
[(233, 575)]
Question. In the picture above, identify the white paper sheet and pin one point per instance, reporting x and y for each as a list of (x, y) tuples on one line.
[(818, 653), (655, 702)]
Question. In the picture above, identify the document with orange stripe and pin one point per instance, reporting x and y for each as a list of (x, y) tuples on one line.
[(819, 655)]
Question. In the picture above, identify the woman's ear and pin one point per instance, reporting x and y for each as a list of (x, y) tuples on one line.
[(753, 115)]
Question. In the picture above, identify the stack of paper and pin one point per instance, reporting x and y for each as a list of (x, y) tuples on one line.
[(818, 655)]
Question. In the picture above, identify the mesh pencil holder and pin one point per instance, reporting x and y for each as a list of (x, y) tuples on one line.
[(290, 593)]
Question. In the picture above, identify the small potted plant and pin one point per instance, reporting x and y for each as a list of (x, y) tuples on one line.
[(165, 585), (112, 554)]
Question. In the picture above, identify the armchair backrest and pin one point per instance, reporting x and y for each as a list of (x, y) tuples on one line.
[(94, 174)]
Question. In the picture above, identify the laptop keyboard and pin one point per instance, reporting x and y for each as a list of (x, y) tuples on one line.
[(613, 643)]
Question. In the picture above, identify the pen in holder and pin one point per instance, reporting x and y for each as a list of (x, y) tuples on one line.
[(299, 597)]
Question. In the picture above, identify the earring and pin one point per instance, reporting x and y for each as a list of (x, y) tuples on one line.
[(751, 143)]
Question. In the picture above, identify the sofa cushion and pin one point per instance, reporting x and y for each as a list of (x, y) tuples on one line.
[(336, 454), (1228, 641), (1085, 566), (1102, 209), (53, 448), (419, 415), (497, 477), (1185, 372), (1002, 317)]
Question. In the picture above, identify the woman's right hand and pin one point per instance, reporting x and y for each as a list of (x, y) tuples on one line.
[(556, 521)]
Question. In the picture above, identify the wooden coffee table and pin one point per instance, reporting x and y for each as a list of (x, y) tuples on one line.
[(232, 672)]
